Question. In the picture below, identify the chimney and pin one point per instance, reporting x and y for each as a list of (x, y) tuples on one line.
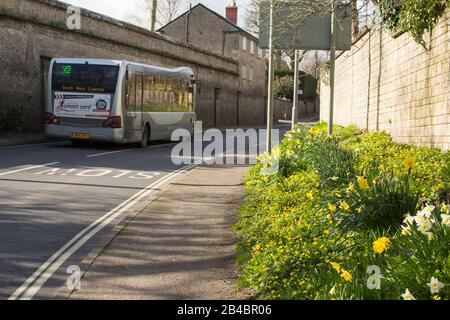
[(232, 12)]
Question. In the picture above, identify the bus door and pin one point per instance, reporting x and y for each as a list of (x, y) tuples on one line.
[(138, 106)]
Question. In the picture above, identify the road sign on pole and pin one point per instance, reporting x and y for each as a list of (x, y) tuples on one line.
[(285, 28), (292, 31)]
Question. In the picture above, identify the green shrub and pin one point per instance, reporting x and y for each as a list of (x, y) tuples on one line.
[(318, 202)]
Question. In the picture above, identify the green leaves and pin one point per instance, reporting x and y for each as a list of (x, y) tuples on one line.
[(413, 16)]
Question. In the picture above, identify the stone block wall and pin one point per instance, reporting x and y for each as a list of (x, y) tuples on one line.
[(394, 84)]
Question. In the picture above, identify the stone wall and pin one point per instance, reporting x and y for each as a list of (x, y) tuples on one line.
[(393, 84), (34, 31)]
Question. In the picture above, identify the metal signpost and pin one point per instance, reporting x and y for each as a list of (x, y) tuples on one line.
[(295, 97), (320, 31), (270, 85)]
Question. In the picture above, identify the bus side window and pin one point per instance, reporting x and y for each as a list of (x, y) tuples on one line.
[(190, 93), (149, 93), (131, 103)]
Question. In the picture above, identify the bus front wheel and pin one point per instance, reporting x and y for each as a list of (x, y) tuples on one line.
[(145, 137)]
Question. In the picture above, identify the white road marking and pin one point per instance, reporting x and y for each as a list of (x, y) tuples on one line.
[(35, 282), (106, 153), (33, 145), (112, 152), (28, 168)]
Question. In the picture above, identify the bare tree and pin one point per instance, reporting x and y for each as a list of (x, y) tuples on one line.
[(312, 62), (154, 9), (252, 16), (168, 10), (160, 12)]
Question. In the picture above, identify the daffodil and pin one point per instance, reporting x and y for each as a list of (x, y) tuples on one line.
[(409, 219), (435, 285), (446, 219), (331, 207), (344, 206), (381, 245), (314, 131), (333, 290), (409, 163), (289, 153), (445, 208), (430, 236), (407, 295), (346, 275), (310, 195), (424, 225), (351, 187), (427, 211), (330, 218), (362, 183), (360, 210), (336, 266), (406, 230)]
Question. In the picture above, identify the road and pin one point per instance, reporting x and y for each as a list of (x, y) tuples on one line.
[(60, 204)]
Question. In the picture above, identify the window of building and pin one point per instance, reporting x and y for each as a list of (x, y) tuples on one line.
[(244, 43), (244, 72), (250, 74), (260, 53), (252, 47)]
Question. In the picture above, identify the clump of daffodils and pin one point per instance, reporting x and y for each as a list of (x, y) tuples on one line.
[(423, 220)]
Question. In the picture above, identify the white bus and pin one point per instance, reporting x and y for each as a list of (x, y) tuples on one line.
[(118, 101)]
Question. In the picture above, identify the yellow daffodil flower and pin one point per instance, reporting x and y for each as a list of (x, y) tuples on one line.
[(409, 163), (331, 207), (381, 245), (346, 275), (362, 183), (336, 266), (344, 206)]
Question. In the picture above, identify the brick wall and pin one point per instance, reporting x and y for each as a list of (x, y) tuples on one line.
[(393, 84)]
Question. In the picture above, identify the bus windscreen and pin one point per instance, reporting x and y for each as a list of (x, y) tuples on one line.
[(83, 90), (84, 78)]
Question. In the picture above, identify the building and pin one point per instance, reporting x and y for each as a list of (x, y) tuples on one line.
[(208, 30)]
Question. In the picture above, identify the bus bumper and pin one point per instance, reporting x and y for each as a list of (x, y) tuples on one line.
[(114, 135)]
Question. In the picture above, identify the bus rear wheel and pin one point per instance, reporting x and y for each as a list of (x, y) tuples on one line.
[(145, 137)]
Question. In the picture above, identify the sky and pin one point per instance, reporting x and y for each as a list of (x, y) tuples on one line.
[(129, 10)]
